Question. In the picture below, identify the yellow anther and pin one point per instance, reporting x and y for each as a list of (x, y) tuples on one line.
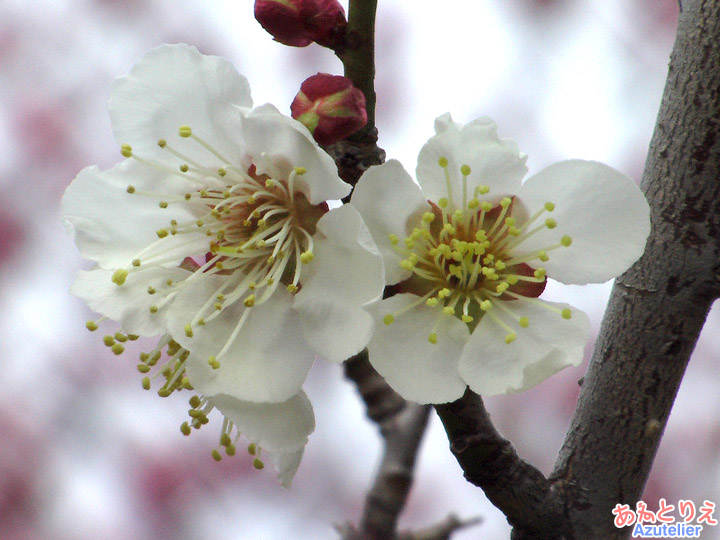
[(543, 256), (566, 241), (146, 383), (482, 190), (449, 229), (458, 214), (109, 341), (443, 202), (500, 265), (153, 309), (549, 206), (505, 202), (136, 262), (258, 464), (510, 221), (550, 223), (292, 288), (91, 325), (169, 282), (443, 293), (523, 322), (122, 338), (443, 162), (119, 276), (221, 172), (502, 287), (393, 239), (143, 368), (213, 362), (486, 305), (216, 455), (539, 273), (130, 189), (406, 264), (185, 428), (306, 257), (249, 301), (432, 302), (126, 150), (510, 337), (389, 319), (188, 330), (514, 231), (188, 196), (432, 338), (473, 203), (185, 131), (428, 217), (117, 349), (162, 233), (151, 290), (486, 206), (225, 440), (448, 310), (252, 448), (480, 236), (512, 280), (184, 167), (466, 319), (300, 170), (465, 170), (566, 313), (133, 337), (230, 449)]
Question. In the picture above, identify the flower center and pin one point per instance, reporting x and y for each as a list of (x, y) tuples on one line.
[(467, 259), (257, 230)]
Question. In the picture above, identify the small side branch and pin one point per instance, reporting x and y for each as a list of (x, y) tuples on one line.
[(402, 425), (530, 502)]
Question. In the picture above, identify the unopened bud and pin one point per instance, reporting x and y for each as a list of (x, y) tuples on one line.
[(330, 107), (300, 22)]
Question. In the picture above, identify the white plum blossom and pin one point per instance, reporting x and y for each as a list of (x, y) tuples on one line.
[(469, 250), (215, 234)]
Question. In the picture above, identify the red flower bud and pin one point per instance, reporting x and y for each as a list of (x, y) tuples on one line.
[(300, 22), (330, 107)]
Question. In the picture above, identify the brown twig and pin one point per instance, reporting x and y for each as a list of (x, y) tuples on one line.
[(402, 425), (489, 461)]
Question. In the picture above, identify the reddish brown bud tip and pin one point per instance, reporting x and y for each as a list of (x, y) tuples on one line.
[(300, 22), (330, 107)]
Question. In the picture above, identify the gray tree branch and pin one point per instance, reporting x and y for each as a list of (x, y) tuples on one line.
[(402, 425), (658, 308)]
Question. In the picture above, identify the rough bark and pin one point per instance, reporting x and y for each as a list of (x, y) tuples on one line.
[(658, 308)]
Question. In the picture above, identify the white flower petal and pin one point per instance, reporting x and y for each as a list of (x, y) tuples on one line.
[(112, 226), (417, 369), (494, 162), (277, 427), (278, 144), (601, 209), (390, 203), (129, 303), (267, 361), (175, 85), (286, 464), (550, 343), (345, 274)]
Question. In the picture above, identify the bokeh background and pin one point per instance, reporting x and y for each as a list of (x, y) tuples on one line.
[(85, 453)]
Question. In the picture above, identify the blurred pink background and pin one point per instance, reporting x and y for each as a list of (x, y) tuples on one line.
[(86, 453)]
